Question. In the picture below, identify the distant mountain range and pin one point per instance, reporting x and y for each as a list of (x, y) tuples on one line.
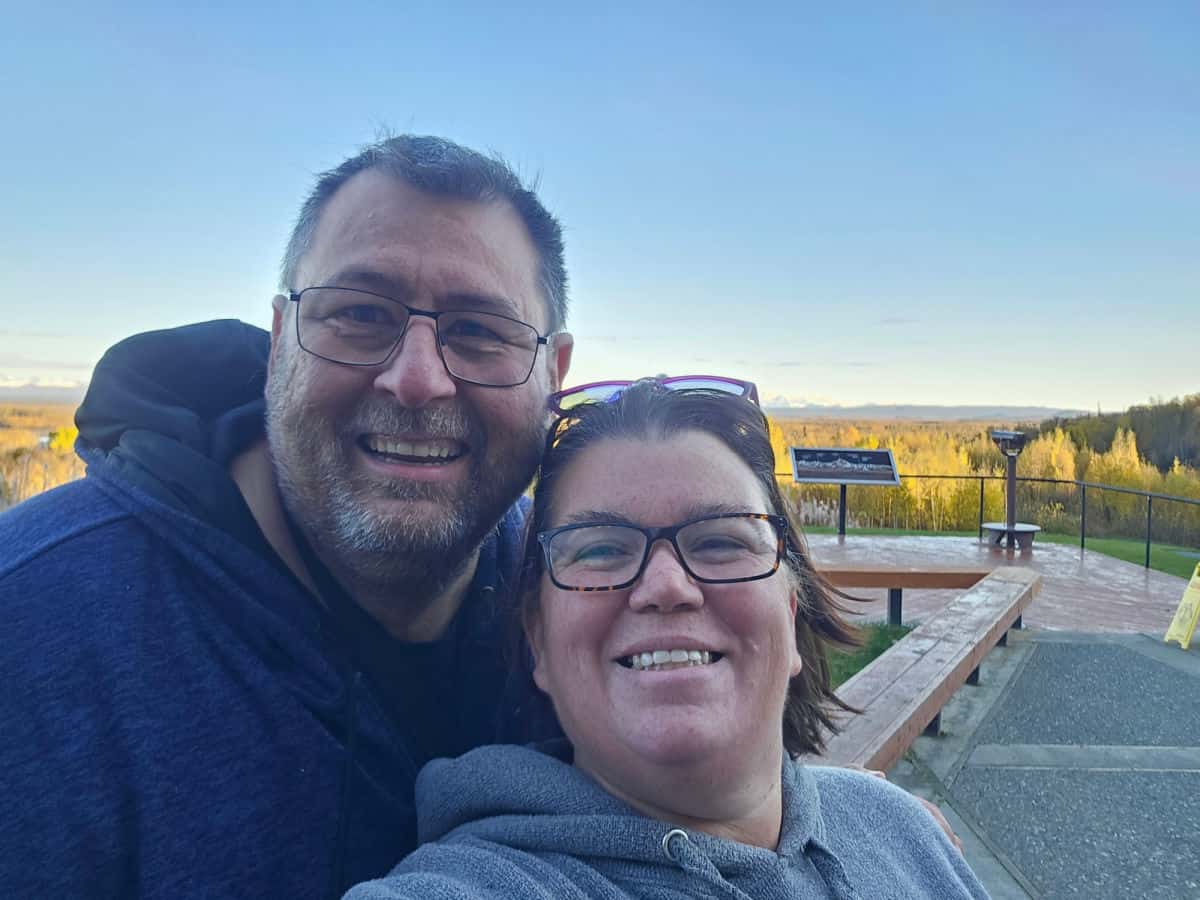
[(784, 410), (42, 394), (779, 407)]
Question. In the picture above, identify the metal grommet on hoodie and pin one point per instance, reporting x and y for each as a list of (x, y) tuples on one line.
[(666, 842)]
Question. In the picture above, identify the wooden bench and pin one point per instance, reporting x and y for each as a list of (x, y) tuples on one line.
[(902, 692), (1023, 532), (896, 579)]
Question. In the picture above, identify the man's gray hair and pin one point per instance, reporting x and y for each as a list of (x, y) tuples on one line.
[(445, 168)]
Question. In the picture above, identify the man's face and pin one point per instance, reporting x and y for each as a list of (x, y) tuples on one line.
[(399, 470)]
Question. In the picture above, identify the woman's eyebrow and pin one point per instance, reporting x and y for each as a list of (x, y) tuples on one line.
[(609, 517), (598, 517)]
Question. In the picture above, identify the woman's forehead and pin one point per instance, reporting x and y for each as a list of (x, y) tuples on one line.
[(668, 477)]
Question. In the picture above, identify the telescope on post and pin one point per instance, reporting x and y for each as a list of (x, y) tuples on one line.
[(1011, 443)]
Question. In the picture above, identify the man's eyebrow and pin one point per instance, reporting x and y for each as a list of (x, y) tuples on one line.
[(482, 302), (394, 286), (398, 288)]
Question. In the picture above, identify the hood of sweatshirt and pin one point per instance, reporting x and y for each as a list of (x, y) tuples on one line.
[(167, 410)]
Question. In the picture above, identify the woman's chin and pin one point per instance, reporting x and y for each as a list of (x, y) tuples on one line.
[(680, 739)]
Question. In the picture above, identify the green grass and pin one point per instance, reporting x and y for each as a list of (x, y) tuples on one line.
[(1163, 557), (877, 637)]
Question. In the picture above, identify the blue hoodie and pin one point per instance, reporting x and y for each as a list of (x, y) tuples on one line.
[(180, 717), (513, 822)]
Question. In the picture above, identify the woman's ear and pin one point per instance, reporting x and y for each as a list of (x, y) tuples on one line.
[(533, 637), (794, 604)]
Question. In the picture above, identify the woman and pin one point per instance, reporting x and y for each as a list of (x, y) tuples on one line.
[(675, 622)]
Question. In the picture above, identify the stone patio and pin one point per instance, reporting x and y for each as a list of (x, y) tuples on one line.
[(1081, 590)]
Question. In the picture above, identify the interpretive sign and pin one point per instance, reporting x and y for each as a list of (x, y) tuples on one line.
[(843, 465), (1183, 626)]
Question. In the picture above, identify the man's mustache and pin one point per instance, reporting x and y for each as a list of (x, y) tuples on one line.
[(381, 417)]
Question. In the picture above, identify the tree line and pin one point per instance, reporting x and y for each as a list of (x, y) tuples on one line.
[(36, 454), (965, 449), (36, 450), (1165, 431)]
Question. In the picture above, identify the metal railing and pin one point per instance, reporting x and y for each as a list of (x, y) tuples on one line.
[(1082, 486)]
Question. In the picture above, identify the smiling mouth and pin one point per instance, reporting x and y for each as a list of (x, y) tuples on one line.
[(433, 452), (666, 660)]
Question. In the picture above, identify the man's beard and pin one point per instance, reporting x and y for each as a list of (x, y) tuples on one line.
[(410, 550)]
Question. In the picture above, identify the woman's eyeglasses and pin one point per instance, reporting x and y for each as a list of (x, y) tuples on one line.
[(603, 391), (717, 549)]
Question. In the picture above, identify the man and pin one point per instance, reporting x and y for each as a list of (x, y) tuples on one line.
[(228, 650)]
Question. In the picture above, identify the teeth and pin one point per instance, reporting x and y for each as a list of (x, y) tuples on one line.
[(657, 660), (419, 449)]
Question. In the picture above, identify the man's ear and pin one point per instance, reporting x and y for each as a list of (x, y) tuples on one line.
[(279, 305), (561, 347)]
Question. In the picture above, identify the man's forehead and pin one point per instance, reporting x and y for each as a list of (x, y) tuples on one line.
[(379, 223)]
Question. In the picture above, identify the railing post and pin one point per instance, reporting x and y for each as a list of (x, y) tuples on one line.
[(1083, 518), (842, 511), (1149, 519), (981, 507)]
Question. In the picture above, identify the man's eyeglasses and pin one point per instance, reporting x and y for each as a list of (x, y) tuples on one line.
[(359, 328), (604, 391), (718, 549)]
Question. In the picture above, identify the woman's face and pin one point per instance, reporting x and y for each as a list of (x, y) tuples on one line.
[(725, 714)]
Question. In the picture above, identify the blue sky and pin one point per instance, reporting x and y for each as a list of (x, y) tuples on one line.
[(945, 203)]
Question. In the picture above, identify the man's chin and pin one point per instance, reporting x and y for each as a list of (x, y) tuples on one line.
[(403, 525)]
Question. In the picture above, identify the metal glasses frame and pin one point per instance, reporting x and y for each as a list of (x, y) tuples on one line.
[(668, 533), (411, 311)]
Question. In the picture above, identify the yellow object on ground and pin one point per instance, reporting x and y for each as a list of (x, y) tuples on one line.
[(1184, 623)]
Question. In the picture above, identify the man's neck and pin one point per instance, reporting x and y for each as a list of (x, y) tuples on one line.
[(407, 619), (411, 618)]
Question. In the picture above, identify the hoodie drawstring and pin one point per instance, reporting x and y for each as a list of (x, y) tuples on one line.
[(679, 849)]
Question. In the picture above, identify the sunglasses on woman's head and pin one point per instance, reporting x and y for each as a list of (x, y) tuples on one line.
[(604, 391)]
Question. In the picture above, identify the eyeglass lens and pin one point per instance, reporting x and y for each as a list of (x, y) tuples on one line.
[(359, 328), (718, 549)]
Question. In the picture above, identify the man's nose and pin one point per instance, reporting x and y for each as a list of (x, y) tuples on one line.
[(665, 585), (415, 375)]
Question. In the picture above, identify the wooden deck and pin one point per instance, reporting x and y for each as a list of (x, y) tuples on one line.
[(1081, 590)]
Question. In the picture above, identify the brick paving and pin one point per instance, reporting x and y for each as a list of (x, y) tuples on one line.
[(1081, 590)]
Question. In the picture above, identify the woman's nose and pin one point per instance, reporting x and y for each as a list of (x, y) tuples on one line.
[(665, 585)]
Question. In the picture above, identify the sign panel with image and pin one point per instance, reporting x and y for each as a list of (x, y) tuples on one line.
[(843, 465)]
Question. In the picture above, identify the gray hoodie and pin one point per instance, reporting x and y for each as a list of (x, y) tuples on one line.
[(507, 822)]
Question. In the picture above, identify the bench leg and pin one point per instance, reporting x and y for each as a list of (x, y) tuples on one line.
[(973, 678), (934, 728), (895, 597)]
